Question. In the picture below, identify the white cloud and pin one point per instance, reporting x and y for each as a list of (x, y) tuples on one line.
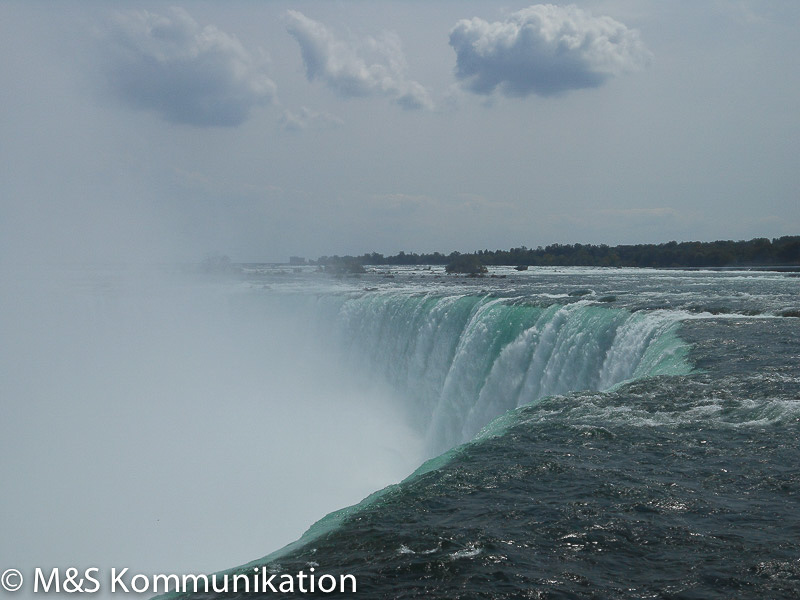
[(545, 50), (183, 72), (308, 119), (343, 68)]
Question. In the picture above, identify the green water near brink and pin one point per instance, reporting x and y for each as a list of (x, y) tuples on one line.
[(579, 449), (460, 361)]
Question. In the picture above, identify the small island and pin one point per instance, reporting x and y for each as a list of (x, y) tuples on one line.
[(466, 264)]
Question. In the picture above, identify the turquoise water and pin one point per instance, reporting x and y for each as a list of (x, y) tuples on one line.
[(580, 446)]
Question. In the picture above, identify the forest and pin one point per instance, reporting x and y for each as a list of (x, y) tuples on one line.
[(758, 252)]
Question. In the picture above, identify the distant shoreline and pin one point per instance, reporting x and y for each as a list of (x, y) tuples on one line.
[(777, 254), (757, 268)]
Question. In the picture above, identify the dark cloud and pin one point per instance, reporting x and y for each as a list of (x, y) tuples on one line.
[(183, 72), (343, 68), (544, 50)]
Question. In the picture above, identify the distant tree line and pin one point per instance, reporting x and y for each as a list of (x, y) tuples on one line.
[(783, 251)]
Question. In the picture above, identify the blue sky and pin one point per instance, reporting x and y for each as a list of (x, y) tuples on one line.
[(140, 131)]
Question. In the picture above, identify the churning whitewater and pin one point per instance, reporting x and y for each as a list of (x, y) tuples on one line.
[(616, 433)]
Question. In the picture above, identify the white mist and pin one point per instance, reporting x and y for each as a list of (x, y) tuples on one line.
[(149, 422)]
